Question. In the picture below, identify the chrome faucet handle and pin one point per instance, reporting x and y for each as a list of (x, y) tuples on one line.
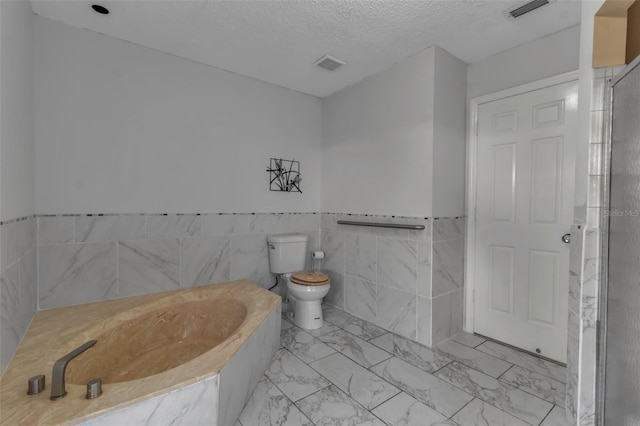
[(58, 390), (94, 388), (36, 384)]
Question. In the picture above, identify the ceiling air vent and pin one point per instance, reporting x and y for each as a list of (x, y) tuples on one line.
[(526, 8), (329, 63)]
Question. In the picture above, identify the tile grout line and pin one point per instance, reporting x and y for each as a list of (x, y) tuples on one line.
[(339, 390), (366, 369), (373, 338), (547, 415), (326, 356), (505, 383), (453, 338), (303, 361), (458, 387), (347, 356), (521, 366), (374, 415), (364, 340), (417, 366), (494, 357), (505, 372), (289, 399), (527, 391), (503, 411), (360, 320), (519, 351), (393, 355), (462, 408), (528, 370), (553, 404), (444, 366), (479, 344), (388, 399), (472, 368), (307, 396), (330, 383), (348, 394)]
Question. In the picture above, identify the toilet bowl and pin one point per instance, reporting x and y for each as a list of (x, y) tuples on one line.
[(306, 290), (287, 253)]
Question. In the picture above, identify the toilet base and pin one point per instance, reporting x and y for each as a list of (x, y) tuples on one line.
[(307, 314), (287, 307)]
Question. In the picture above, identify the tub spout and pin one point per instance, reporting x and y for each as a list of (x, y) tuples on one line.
[(60, 367)]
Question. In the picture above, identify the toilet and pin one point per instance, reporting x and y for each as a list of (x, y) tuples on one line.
[(305, 289)]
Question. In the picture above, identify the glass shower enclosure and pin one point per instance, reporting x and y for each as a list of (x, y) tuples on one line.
[(619, 363)]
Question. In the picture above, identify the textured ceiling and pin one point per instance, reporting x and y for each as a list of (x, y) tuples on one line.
[(278, 41)]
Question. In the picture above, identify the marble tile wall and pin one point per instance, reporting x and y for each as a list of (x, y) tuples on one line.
[(573, 339), (584, 282), (241, 374), (86, 258), (408, 282), (194, 404), (18, 286), (585, 264)]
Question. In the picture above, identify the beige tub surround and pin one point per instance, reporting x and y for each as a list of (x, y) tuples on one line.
[(148, 347)]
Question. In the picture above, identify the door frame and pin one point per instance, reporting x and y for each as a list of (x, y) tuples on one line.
[(471, 171)]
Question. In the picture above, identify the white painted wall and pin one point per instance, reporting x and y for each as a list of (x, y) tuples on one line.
[(394, 144), (377, 142), (548, 56), (449, 135), (17, 197), (123, 128)]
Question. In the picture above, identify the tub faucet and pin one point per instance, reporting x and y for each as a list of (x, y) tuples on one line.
[(60, 367)]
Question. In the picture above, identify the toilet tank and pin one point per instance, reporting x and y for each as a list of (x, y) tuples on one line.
[(287, 252)]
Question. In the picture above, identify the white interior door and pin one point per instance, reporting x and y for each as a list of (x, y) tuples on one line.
[(524, 204)]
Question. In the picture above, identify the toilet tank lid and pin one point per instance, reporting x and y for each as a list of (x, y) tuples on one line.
[(287, 238)]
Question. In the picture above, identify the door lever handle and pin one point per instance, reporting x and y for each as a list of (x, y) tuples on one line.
[(566, 238)]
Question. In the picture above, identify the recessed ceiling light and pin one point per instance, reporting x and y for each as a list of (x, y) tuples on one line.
[(100, 9)]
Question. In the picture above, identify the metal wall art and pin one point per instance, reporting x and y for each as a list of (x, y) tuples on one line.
[(284, 175)]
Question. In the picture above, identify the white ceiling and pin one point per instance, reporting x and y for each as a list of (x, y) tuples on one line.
[(278, 41)]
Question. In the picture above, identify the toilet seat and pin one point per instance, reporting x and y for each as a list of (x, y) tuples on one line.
[(306, 289), (309, 278)]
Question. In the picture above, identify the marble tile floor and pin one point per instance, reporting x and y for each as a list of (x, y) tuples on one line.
[(351, 372)]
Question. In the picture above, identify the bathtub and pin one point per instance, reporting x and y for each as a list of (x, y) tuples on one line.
[(189, 356)]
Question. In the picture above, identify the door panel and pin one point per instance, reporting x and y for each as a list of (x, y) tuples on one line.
[(543, 279), (546, 188), (524, 204), (550, 114), (502, 268), (504, 188)]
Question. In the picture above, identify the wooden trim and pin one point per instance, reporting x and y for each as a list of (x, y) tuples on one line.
[(633, 32), (609, 41), (616, 33), (615, 8)]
